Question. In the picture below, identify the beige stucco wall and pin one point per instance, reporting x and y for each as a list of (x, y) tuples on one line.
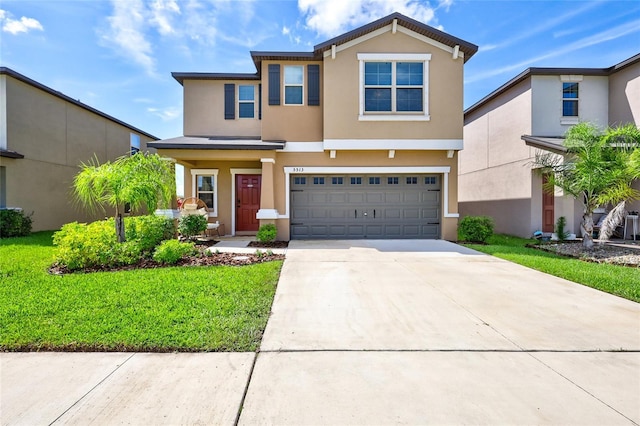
[(624, 96), (55, 136), (204, 110), (300, 123), (341, 97)]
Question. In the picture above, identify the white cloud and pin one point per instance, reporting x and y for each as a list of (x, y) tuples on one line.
[(285, 30), (333, 17), (162, 14), (604, 36), (166, 114), (126, 33), (22, 25)]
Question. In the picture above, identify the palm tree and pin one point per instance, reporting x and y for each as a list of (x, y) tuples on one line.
[(139, 180), (597, 170)]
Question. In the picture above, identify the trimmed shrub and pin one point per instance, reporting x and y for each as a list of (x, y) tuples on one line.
[(171, 251), (148, 231), (14, 223), (267, 233), (81, 245), (192, 225), (475, 228)]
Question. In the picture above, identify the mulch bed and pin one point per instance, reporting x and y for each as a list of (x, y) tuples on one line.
[(203, 258), (273, 244), (600, 253)]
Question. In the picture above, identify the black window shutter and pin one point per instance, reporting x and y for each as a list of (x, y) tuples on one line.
[(259, 101), (274, 84), (229, 101), (313, 91)]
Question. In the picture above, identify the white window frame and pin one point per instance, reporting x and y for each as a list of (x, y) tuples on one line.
[(194, 186), (285, 84), (569, 119), (253, 101), (393, 58)]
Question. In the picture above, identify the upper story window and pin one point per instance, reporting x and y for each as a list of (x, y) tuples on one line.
[(570, 99), (293, 84), (246, 101), (394, 87), (134, 143)]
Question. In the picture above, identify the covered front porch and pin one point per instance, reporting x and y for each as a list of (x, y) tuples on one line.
[(233, 177)]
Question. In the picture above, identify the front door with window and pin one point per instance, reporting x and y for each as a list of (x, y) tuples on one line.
[(547, 207), (247, 202)]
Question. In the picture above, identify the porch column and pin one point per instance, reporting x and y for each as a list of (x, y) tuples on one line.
[(267, 199)]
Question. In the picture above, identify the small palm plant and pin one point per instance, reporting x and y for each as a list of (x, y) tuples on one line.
[(139, 180)]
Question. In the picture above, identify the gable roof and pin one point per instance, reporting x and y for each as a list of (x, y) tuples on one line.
[(552, 71), (467, 48), (40, 86)]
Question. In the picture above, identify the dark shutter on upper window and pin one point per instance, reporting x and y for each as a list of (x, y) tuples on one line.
[(274, 84), (313, 79), (259, 101), (229, 101)]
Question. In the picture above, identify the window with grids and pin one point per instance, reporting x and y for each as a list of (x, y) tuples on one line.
[(205, 187), (570, 99), (293, 84), (393, 87), (246, 101)]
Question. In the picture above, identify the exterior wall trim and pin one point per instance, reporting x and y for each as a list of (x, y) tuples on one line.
[(444, 170), (397, 144), (303, 147), (235, 172)]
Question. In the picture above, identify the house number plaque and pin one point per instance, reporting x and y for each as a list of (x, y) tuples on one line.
[(298, 169)]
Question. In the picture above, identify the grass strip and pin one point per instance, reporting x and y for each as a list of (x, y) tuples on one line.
[(615, 279), (219, 308)]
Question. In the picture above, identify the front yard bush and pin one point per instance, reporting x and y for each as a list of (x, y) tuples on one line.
[(82, 245), (192, 225), (171, 251), (14, 223), (267, 233), (475, 228)]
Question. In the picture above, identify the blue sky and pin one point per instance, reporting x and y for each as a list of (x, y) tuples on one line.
[(117, 56)]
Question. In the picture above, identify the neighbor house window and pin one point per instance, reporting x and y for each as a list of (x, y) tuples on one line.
[(134, 143), (293, 84), (205, 187), (394, 86), (246, 101), (570, 99)]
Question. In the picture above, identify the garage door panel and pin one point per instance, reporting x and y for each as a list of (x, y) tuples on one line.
[(380, 206)]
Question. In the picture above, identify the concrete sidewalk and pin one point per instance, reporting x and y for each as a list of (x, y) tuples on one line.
[(370, 332)]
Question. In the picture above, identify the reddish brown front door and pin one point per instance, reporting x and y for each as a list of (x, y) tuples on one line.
[(547, 207), (247, 202)]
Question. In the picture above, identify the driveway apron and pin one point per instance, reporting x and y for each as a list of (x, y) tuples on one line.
[(428, 332)]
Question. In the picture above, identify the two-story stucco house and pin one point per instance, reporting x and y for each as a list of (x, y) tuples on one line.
[(44, 136), (356, 139), (532, 112)]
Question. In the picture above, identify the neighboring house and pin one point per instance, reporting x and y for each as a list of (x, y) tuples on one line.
[(356, 139), (532, 112), (44, 136)]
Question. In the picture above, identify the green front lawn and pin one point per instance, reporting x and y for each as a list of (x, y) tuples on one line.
[(619, 280), (216, 308)]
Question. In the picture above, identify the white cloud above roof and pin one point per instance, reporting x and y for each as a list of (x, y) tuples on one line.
[(16, 26), (330, 18)]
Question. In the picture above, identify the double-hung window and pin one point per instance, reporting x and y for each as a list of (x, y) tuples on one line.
[(246, 101), (293, 84), (570, 99), (204, 186), (394, 86)]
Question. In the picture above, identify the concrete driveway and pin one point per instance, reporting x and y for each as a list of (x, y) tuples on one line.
[(370, 332), (417, 332)]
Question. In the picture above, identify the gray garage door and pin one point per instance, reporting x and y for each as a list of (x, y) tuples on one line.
[(365, 206)]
